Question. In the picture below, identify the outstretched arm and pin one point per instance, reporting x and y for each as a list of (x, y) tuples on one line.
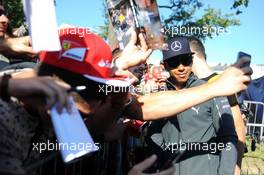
[(41, 88), (17, 47), (165, 104)]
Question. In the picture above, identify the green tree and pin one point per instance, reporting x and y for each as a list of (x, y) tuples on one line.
[(14, 9), (183, 14)]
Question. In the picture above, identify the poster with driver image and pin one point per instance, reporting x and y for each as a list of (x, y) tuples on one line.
[(139, 15)]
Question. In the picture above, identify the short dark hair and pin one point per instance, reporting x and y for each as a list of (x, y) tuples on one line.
[(92, 90), (198, 46)]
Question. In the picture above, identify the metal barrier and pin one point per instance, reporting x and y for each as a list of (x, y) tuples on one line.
[(255, 124), (102, 162), (52, 165)]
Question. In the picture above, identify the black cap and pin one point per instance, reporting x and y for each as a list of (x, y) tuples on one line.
[(177, 46)]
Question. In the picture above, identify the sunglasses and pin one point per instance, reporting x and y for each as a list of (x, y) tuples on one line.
[(176, 61)]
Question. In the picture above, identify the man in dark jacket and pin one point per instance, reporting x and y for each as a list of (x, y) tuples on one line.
[(193, 139)]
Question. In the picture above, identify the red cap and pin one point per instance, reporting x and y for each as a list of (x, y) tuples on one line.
[(84, 53)]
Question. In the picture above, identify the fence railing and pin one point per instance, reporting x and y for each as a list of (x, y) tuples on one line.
[(52, 165), (255, 124), (102, 162)]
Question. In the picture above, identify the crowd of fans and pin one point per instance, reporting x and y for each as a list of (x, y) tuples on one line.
[(170, 104)]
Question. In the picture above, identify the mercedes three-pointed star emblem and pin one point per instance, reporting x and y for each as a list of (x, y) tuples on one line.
[(176, 46)]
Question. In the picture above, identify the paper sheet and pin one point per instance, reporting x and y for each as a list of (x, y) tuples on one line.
[(41, 18), (72, 134)]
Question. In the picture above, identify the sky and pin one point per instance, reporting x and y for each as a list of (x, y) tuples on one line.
[(224, 48)]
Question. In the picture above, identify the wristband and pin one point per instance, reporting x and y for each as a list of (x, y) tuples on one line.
[(4, 87)]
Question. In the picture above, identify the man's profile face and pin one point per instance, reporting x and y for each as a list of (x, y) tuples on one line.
[(3, 22), (180, 68)]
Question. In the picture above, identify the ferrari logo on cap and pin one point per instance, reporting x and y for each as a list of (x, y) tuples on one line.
[(176, 46), (66, 45), (73, 50)]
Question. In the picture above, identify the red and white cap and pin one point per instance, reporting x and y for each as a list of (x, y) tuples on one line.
[(85, 53)]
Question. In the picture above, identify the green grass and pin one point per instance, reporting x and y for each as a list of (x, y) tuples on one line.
[(258, 153)]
